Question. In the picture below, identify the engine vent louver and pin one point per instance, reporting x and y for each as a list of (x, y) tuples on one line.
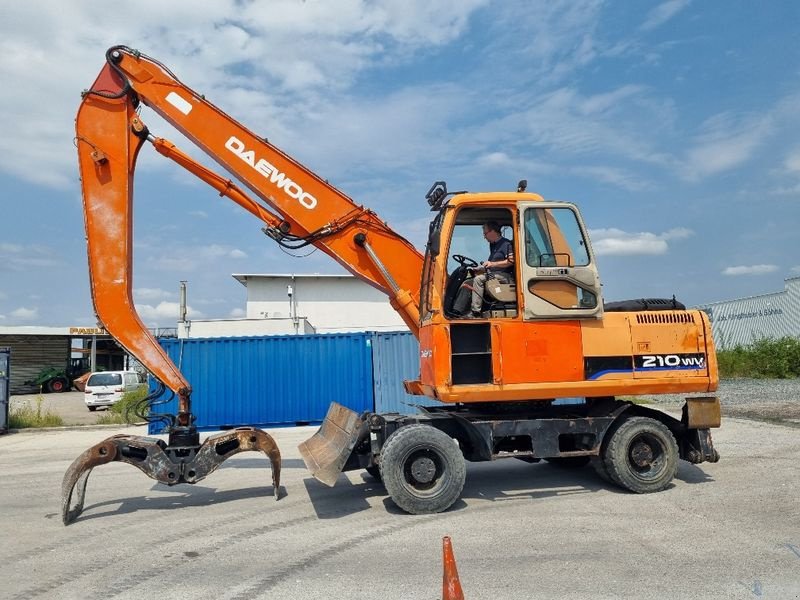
[(664, 318)]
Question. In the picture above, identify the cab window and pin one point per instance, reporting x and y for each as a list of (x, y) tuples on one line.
[(553, 238)]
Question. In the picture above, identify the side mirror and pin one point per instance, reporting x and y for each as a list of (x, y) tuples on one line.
[(434, 242)]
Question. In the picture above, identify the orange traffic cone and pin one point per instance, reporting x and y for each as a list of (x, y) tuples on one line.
[(451, 586)]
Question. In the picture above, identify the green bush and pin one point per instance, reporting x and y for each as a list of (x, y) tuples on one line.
[(766, 358), (27, 416), (123, 412)]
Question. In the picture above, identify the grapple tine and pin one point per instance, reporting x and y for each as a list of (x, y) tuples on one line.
[(218, 448), (78, 473), (169, 464)]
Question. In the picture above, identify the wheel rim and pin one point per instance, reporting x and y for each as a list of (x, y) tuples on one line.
[(424, 472), (647, 456), (57, 385)]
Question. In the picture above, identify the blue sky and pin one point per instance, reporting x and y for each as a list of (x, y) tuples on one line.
[(673, 125)]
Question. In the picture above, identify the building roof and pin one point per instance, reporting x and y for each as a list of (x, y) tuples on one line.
[(243, 277), (44, 330), (754, 297)]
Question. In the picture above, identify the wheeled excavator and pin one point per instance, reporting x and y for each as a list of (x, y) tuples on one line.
[(499, 377)]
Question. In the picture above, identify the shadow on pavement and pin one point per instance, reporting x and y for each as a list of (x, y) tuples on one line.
[(486, 481), (183, 497)]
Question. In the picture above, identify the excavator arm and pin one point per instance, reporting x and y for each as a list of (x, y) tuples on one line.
[(297, 207)]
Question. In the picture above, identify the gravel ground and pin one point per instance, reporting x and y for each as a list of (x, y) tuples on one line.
[(761, 399)]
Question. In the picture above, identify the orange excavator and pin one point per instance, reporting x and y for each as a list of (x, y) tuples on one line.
[(540, 334)]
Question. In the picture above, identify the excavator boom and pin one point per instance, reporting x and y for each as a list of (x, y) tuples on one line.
[(297, 207)]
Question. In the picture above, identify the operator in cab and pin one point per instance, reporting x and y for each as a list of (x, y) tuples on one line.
[(499, 266)]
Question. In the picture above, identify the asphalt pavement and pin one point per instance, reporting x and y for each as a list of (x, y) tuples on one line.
[(725, 530)]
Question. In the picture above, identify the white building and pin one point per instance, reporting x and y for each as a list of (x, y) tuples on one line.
[(296, 304), (744, 320)]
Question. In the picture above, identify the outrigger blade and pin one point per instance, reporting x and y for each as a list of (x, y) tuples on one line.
[(169, 464), (326, 452)]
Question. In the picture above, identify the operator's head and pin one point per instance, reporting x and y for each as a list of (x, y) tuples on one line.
[(491, 231)]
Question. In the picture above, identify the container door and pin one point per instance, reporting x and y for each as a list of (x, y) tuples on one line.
[(559, 276)]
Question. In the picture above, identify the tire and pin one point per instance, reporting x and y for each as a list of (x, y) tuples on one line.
[(57, 385), (642, 455), (599, 466), (92, 408), (423, 469), (569, 462), (598, 462), (375, 472)]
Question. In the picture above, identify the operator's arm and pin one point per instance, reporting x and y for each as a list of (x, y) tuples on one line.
[(500, 264)]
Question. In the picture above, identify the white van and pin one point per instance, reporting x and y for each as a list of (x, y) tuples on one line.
[(106, 387)]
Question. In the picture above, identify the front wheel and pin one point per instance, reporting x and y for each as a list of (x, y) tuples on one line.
[(423, 469), (57, 385), (642, 455)]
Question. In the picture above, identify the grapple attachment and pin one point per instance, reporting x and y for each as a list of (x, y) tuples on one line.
[(183, 460), (326, 452)]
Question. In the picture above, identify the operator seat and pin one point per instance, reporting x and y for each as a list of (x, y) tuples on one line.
[(500, 295)]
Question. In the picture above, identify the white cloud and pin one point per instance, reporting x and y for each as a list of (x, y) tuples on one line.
[(612, 175), (165, 312), (151, 294), (726, 141), (286, 47), (786, 191), (2, 317), (663, 13), (200, 214), (795, 269), (3, 296), (190, 258), (618, 242), (25, 314), (566, 122), (792, 162), (750, 270), (238, 313), (16, 257)]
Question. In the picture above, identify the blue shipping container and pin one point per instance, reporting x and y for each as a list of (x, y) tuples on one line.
[(395, 358), (275, 380)]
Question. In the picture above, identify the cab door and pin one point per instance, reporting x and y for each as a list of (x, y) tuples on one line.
[(558, 272)]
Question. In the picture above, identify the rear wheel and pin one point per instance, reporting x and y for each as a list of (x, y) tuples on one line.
[(642, 455), (423, 469)]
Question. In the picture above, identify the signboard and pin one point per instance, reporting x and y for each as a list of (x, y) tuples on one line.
[(87, 331)]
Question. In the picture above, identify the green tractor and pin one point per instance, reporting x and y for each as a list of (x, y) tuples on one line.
[(56, 380)]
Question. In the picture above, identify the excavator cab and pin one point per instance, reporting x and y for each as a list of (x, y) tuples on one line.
[(553, 259)]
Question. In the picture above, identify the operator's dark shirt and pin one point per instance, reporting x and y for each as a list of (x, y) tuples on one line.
[(501, 250)]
